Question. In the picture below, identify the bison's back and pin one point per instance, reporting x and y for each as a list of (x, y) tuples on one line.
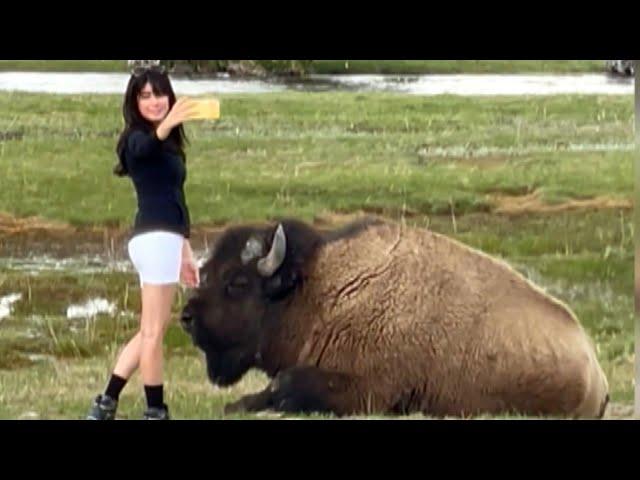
[(422, 315)]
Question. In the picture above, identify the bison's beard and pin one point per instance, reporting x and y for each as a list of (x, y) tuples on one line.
[(227, 368)]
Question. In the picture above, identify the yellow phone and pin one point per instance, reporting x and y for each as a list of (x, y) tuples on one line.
[(206, 109)]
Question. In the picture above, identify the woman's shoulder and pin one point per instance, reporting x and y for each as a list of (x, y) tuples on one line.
[(136, 134), (141, 143)]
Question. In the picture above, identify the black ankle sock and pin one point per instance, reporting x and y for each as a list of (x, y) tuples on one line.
[(154, 396), (115, 386)]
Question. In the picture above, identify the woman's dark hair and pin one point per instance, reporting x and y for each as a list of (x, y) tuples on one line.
[(161, 85)]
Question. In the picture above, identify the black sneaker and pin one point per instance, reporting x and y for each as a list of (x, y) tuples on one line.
[(155, 413), (104, 408)]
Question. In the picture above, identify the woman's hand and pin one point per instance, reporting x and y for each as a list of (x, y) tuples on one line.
[(182, 111), (189, 271)]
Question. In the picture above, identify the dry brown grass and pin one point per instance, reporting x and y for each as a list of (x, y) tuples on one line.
[(532, 203), (11, 225)]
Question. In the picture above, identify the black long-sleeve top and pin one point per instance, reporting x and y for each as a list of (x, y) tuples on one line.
[(158, 173)]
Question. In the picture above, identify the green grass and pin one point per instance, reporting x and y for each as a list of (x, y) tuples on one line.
[(297, 154), (437, 161), (347, 66)]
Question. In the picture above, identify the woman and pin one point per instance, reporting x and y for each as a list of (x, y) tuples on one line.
[(151, 152)]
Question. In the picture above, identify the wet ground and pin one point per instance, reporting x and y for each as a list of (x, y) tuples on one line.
[(476, 84)]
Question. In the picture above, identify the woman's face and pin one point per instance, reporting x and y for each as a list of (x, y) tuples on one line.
[(152, 108)]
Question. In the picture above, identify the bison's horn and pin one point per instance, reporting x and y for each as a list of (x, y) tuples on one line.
[(269, 264)]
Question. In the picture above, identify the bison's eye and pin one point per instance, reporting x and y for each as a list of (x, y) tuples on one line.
[(237, 286)]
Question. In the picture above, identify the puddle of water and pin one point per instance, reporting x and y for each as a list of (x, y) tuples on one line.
[(29, 416), (466, 151), (30, 333), (483, 84), (81, 264), (91, 308), (116, 83), (459, 84), (6, 302), (38, 357), (572, 293)]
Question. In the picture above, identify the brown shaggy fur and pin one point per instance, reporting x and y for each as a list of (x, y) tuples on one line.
[(424, 323)]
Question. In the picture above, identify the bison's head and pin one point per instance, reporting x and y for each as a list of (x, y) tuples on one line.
[(249, 274)]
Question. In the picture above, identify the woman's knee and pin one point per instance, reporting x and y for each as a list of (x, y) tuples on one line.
[(152, 333)]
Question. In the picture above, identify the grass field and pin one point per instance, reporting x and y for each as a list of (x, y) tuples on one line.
[(347, 66), (544, 182)]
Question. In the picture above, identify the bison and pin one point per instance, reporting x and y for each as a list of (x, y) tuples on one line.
[(377, 317)]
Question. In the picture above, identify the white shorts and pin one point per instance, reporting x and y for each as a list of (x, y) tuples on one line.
[(157, 256)]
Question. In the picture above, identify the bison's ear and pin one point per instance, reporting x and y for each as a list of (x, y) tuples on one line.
[(252, 249), (268, 265), (281, 284)]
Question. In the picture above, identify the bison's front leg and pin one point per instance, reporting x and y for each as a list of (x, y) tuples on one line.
[(306, 390), (250, 403)]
